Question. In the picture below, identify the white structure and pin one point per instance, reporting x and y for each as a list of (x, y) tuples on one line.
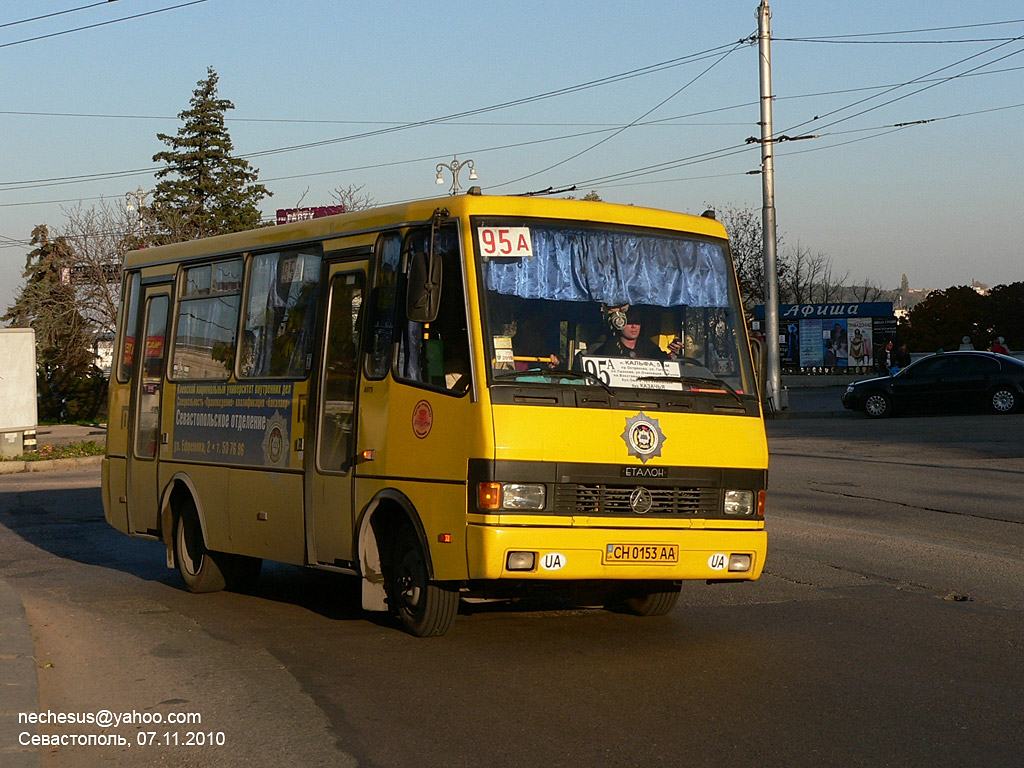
[(18, 414)]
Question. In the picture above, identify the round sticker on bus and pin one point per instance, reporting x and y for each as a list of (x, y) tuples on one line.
[(422, 419), (552, 561), (717, 562)]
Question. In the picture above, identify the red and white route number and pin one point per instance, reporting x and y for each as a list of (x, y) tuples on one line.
[(505, 242)]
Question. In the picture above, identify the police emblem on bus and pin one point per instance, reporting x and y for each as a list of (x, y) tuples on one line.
[(643, 437)]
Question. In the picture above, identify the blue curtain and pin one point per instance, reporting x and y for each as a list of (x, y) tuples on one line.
[(614, 268)]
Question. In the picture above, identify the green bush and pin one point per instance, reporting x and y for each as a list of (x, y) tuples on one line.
[(75, 450)]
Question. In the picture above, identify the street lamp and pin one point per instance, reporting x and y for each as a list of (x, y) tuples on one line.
[(455, 166), (134, 201)]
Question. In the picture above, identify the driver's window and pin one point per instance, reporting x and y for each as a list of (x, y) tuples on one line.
[(436, 354)]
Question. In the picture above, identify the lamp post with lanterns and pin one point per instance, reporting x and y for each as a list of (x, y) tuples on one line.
[(455, 166)]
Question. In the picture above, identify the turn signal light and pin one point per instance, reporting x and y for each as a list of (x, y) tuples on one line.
[(489, 495)]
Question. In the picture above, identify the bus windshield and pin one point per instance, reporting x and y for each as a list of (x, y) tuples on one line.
[(616, 307)]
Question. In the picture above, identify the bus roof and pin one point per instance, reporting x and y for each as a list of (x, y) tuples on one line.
[(419, 211)]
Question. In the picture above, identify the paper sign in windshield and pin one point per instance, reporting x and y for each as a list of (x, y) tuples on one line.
[(505, 242), (639, 374)]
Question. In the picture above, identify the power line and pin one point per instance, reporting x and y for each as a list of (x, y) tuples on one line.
[(827, 38), (691, 58), (660, 66), (55, 13), (101, 24), (630, 125), (931, 84)]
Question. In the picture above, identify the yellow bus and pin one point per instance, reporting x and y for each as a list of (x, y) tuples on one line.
[(470, 397)]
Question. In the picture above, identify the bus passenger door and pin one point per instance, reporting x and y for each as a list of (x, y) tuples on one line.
[(147, 394), (329, 526)]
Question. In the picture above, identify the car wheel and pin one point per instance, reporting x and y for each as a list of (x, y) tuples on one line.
[(425, 608), (1003, 400), (877, 405)]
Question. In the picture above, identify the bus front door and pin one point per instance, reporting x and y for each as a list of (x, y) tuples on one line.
[(330, 524), (143, 505)]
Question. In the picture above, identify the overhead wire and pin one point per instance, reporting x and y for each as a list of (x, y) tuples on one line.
[(724, 152), (631, 124), (51, 15), (100, 24)]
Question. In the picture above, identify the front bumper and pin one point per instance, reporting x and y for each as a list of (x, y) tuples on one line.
[(581, 552)]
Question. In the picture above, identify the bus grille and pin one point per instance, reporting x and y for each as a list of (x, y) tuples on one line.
[(580, 499)]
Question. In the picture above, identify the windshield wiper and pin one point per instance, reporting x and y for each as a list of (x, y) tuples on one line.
[(560, 373), (723, 385)]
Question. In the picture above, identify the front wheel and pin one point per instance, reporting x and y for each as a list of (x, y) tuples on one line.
[(655, 599), (425, 608), (1003, 400), (877, 405)]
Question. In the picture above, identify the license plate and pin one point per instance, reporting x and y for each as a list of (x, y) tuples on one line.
[(632, 554)]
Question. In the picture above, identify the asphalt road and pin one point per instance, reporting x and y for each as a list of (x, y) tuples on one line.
[(888, 629)]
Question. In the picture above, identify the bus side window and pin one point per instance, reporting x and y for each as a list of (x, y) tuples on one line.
[(207, 323), (437, 353), (382, 306), (280, 317), (126, 360)]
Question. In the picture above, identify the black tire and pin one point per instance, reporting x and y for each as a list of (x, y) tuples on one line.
[(654, 599), (195, 562), (425, 608), (877, 405), (1003, 400)]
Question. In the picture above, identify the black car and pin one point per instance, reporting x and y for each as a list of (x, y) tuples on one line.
[(947, 381)]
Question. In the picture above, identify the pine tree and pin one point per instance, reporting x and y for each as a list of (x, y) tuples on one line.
[(47, 303), (203, 189)]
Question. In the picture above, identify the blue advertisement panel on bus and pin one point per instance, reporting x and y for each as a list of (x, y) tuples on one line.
[(246, 423)]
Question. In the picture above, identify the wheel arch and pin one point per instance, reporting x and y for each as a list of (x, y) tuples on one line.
[(179, 488), (379, 522)]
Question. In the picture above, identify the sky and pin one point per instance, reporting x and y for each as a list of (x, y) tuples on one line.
[(916, 168)]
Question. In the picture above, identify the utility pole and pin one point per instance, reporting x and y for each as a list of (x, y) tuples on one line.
[(771, 274)]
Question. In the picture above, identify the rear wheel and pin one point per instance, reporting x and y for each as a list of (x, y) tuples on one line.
[(877, 405), (195, 562), (1003, 400), (425, 608)]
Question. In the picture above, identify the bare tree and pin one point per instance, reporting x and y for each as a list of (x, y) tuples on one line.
[(99, 236), (830, 286), (867, 292), (747, 245), (810, 279), (353, 197)]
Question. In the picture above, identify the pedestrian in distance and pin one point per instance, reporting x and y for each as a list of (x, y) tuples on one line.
[(902, 357), (999, 346)]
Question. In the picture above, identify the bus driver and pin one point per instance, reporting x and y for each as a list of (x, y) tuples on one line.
[(628, 341)]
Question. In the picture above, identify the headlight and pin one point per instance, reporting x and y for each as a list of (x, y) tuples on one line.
[(494, 496), (849, 389), (739, 502)]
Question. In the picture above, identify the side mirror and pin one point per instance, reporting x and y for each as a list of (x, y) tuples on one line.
[(423, 298)]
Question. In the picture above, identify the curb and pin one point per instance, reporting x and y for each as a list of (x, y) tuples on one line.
[(18, 681), (787, 415), (48, 465)]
